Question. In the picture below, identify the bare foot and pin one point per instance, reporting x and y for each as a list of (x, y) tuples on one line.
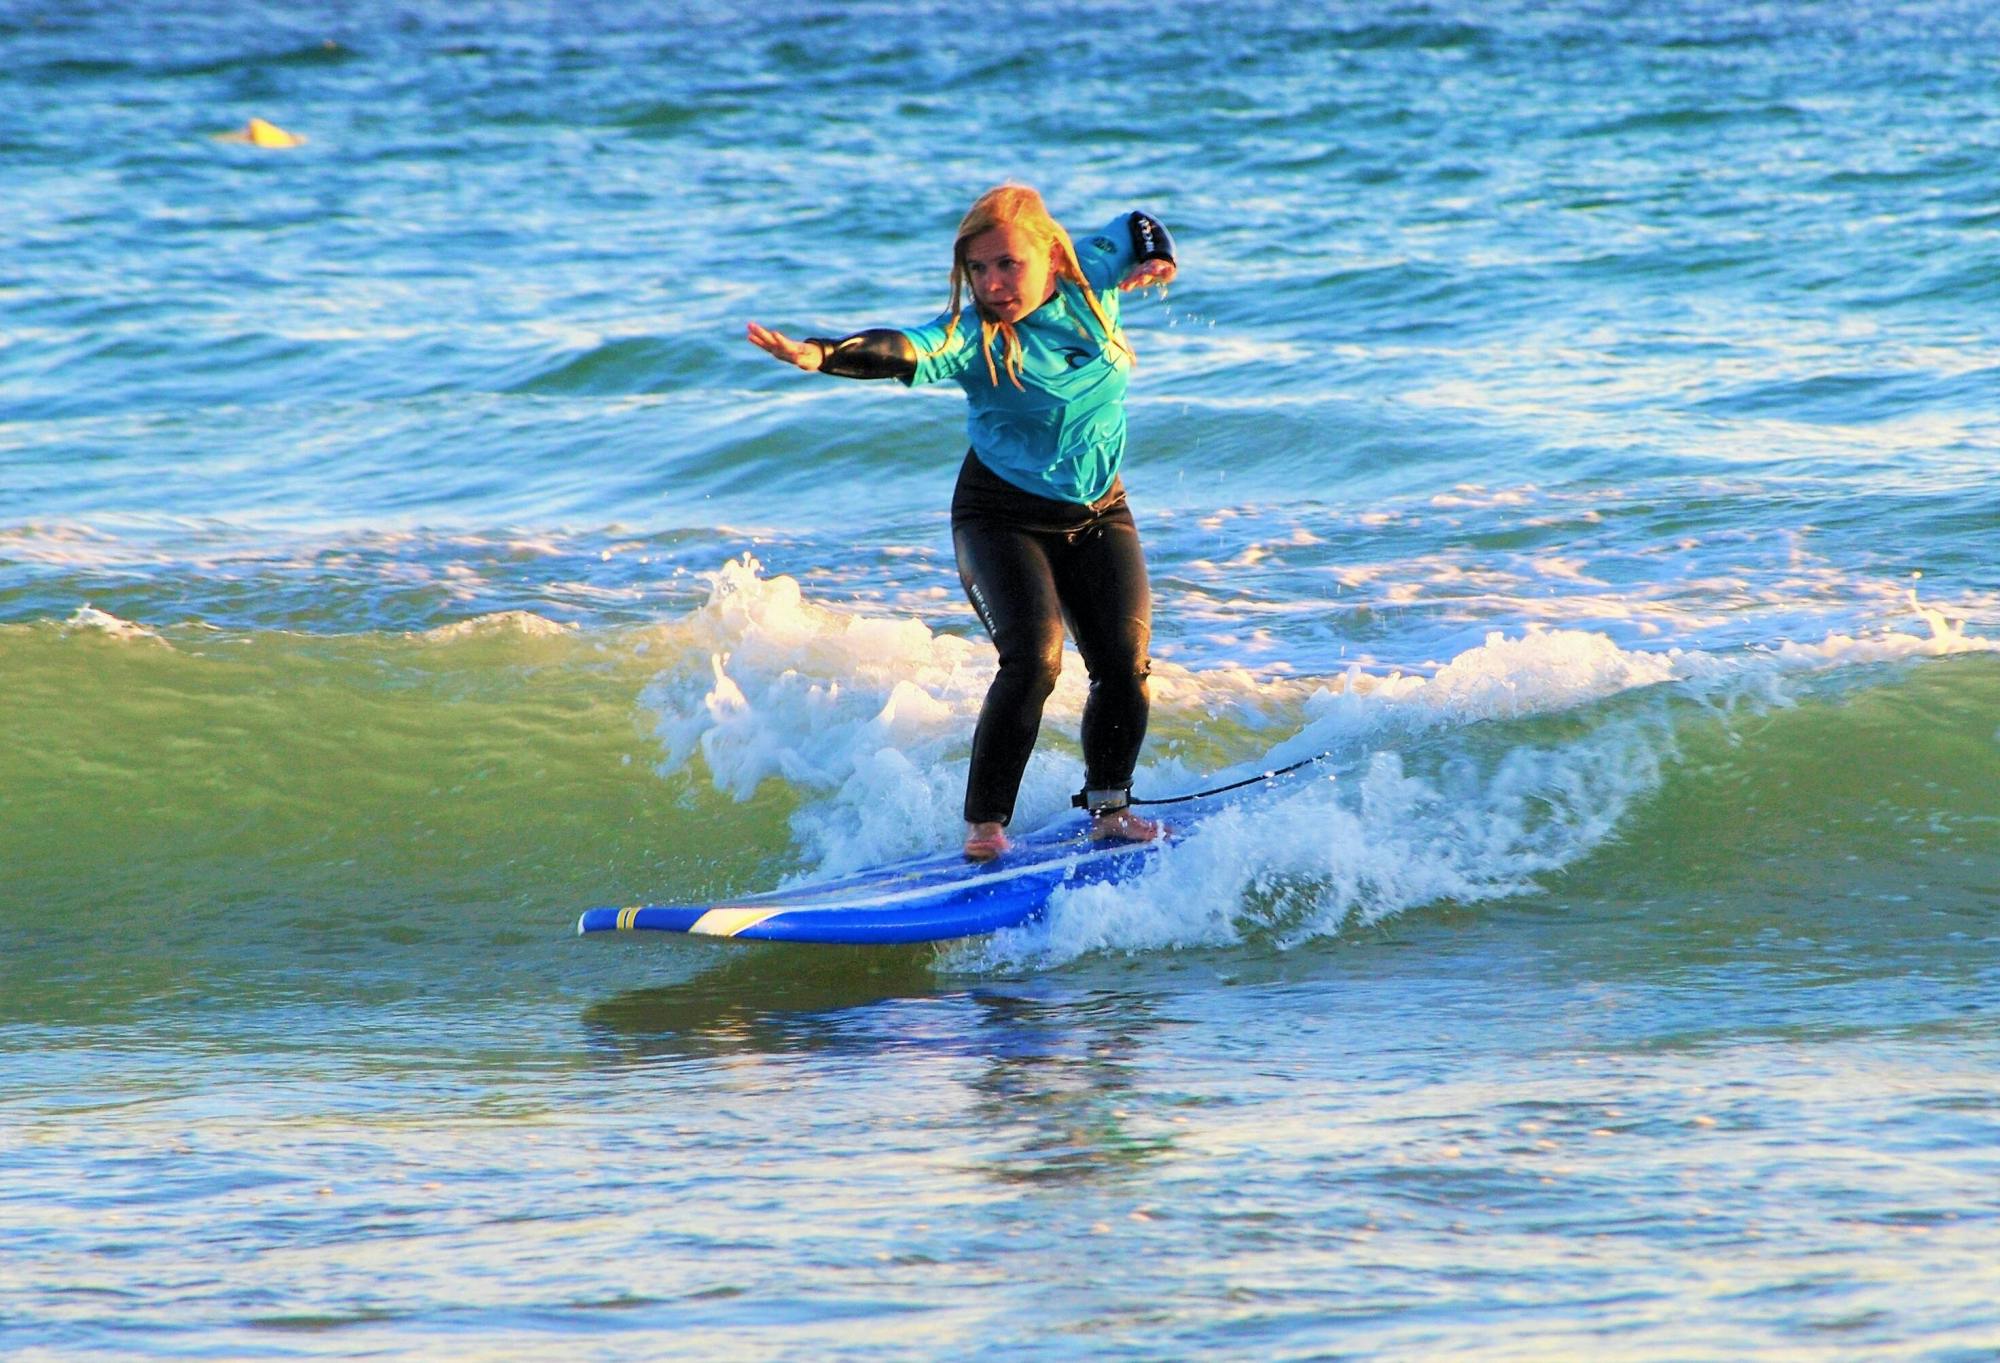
[(1125, 826), (985, 841)]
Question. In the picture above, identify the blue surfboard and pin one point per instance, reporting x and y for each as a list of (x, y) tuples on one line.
[(927, 899)]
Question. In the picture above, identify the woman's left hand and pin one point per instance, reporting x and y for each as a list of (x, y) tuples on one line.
[(804, 354), (1148, 273)]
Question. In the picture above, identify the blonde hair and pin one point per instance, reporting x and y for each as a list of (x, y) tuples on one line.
[(1020, 207)]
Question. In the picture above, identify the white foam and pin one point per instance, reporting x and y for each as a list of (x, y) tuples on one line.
[(1333, 852), (1537, 671), (1473, 497), (518, 622), (90, 620), (868, 720), (858, 714), (58, 544), (1544, 670)]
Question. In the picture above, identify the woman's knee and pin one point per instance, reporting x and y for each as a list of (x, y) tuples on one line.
[(1132, 682), (1122, 660), (1032, 666)]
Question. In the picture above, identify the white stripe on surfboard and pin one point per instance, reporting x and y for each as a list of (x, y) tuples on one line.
[(823, 903)]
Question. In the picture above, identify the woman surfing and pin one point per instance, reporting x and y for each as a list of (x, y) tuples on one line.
[(1039, 520)]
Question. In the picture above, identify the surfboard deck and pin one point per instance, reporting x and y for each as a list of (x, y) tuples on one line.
[(926, 899)]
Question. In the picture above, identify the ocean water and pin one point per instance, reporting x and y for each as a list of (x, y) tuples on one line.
[(1577, 421)]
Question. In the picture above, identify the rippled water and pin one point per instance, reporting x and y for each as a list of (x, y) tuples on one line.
[(1575, 421)]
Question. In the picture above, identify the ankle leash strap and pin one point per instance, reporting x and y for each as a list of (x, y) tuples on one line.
[(1102, 801)]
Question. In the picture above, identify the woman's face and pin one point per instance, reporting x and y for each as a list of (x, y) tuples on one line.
[(1010, 278)]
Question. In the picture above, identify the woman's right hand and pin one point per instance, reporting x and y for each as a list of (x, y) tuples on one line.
[(804, 354)]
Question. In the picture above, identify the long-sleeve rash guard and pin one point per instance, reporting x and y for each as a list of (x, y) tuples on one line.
[(1061, 433)]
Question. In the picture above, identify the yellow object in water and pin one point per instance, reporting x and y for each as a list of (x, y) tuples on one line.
[(260, 133)]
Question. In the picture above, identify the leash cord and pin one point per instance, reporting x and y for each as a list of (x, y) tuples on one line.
[(1235, 785)]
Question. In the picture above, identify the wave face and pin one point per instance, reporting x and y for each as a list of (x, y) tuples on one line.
[(480, 776)]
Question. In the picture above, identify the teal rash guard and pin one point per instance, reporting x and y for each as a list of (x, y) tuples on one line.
[(1061, 434)]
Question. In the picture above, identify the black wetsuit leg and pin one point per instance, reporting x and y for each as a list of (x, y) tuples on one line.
[(1029, 565), (1008, 577), (1109, 605)]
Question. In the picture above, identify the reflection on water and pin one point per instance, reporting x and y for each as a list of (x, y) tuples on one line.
[(1062, 1087), (1051, 1075), (759, 999)]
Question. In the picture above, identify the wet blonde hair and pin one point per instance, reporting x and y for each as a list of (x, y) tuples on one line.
[(1020, 207)]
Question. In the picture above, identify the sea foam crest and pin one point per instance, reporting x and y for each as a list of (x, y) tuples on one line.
[(1351, 848), (1304, 861), (861, 712), (1544, 670), (526, 624), (868, 719), (90, 620)]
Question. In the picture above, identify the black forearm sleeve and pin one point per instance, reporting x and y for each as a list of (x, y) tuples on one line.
[(1150, 239), (877, 354)]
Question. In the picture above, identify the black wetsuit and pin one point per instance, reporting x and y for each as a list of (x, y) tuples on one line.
[(1029, 565), (1032, 564)]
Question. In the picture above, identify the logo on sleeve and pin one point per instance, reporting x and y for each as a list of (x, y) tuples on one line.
[(1104, 244)]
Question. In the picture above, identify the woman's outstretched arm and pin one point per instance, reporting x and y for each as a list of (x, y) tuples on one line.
[(880, 353)]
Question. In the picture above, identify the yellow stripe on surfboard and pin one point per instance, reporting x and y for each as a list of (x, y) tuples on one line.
[(729, 922)]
